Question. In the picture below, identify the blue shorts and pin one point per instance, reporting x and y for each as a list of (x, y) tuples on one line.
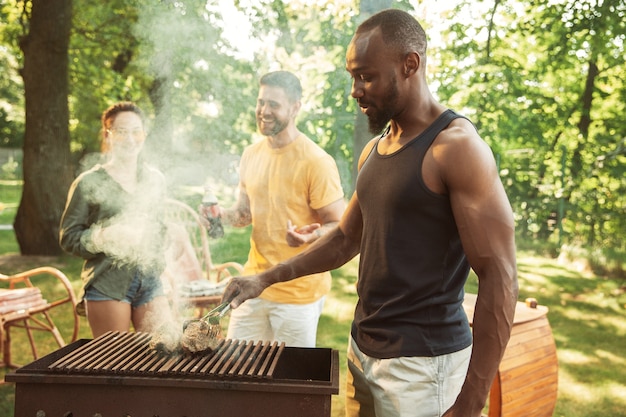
[(142, 290)]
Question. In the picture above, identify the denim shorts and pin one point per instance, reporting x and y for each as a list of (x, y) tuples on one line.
[(142, 290)]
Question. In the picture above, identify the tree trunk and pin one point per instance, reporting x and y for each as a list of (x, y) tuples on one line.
[(47, 170), (585, 118), (158, 147)]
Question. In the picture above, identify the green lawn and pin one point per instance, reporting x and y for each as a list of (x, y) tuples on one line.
[(587, 316)]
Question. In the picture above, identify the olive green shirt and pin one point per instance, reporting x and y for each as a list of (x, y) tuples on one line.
[(95, 200)]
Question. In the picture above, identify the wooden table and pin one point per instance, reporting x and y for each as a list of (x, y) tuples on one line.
[(527, 379)]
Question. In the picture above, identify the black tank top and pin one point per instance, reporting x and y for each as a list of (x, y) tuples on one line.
[(412, 267)]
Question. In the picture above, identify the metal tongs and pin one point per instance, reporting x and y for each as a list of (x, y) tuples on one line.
[(212, 317), (217, 313)]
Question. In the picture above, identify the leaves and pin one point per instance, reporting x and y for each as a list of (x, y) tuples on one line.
[(543, 81), (546, 95)]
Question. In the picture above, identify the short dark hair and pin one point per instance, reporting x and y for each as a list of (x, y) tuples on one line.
[(285, 80), (399, 30)]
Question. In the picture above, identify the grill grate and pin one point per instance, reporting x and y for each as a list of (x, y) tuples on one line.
[(124, 353)]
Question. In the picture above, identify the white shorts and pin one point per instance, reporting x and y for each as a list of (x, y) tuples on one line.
[(403, 387), (261, 320)]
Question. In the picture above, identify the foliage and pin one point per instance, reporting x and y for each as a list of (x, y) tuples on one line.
[(11, 96), (311, 42), (544, 82), (204, 93), (101, 51)]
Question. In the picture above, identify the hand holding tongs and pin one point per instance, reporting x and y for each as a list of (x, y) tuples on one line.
[(217, 313), (212, 316)]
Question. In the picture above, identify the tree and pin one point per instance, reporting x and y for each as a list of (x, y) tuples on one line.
[(544, 81), (310, 39), (200, 91), (11, 92), (46, 167), (101, 69)]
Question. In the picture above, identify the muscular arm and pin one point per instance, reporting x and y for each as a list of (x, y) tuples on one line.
[(329, 252), (485, 222)]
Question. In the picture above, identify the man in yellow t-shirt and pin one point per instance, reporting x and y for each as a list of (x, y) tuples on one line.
[(290, 191)]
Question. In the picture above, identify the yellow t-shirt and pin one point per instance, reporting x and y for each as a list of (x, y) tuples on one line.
[(283, 184)]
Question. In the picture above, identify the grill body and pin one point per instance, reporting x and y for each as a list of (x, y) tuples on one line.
[(289, 381)]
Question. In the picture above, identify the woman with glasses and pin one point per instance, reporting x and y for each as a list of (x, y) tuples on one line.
[(112, 221)]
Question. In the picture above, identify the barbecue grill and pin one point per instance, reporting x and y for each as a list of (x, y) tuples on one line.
[(120, 374)]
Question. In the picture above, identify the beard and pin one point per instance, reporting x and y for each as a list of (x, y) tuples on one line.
[(378, 120), (276, 127)]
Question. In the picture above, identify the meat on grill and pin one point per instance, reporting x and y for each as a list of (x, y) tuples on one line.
[(166, 340), (200, 336)]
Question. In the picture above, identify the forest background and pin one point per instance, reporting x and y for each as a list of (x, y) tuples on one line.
[(543, 81)]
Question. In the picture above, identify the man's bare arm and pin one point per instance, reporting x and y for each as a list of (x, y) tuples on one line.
[(485, 222), (329, 252), (239, 214)]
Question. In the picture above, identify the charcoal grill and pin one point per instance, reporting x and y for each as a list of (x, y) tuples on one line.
[(119, 374)]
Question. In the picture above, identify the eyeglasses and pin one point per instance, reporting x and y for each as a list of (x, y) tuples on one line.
[(123, 133)]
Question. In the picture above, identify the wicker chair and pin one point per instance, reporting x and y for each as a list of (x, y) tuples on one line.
[(22, 305), (198, 267)]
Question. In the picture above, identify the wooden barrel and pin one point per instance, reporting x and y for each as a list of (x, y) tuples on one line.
[(527, 380)]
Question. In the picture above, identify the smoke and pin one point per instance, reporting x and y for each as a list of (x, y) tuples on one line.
[(203, 95), (135, 237), (197, 106), (131, 241), (197, 95)]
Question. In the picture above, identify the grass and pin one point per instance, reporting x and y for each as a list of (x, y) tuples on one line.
[(587, 316)]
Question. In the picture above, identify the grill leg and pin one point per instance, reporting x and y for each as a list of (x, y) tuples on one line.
[(5, 340)]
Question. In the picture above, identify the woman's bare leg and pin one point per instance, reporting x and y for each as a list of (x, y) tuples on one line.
[(153, 315), (110, 315)]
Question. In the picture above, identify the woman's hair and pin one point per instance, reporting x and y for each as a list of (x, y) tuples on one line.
[(109, 115)]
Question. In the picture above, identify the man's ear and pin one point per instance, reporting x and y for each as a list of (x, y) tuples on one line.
[(296, 107), (412, 63)]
